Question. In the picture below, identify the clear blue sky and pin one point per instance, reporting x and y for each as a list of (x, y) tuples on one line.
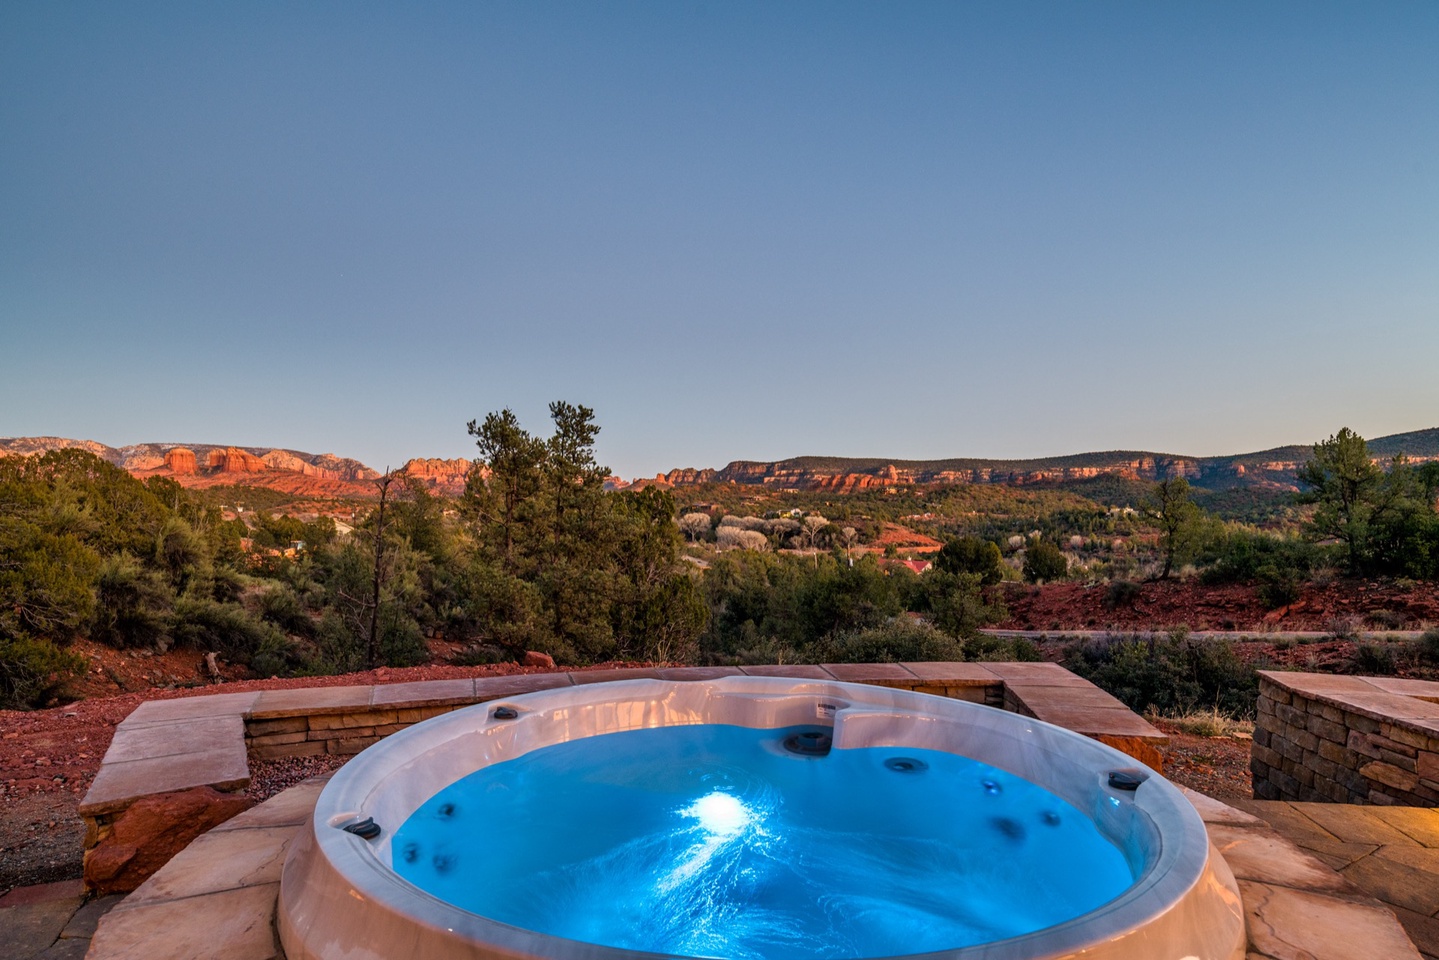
[(735, 230)]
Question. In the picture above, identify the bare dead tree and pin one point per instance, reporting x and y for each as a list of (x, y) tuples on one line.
[(373, 651)]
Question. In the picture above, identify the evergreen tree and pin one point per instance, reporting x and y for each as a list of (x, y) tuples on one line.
[(1181, 522), (1350, 493)]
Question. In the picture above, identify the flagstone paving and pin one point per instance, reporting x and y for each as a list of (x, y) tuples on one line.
[(51, 921), (1390, 853)]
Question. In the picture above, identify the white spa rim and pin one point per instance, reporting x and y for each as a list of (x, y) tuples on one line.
[(339, 897)]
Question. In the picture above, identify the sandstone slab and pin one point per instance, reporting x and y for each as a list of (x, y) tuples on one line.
[(425, 693), (494, 688), (82, 925), (1037, 674), (607, 676), (1290, 924), (288, 808), (795, 671), (946, 674), (1213, 811), (220, 860), (684, 674), (163, 739), (231, 925), (883, 674), (117, 785), (1407, 885), (1260, 854), (312, 700), (151, 831), (191, 708), (31, 928)]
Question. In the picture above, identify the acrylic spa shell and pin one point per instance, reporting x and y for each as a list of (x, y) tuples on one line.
[(340, 897)]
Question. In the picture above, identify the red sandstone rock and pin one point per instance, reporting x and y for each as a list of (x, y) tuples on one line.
[(151, 831), (180, 460), (234, 460), (535, 659), (446, 476)]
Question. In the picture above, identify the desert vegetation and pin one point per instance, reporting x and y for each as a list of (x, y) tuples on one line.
[(538, 555)]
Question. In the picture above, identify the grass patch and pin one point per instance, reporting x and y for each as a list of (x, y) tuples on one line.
[(1210, 723)]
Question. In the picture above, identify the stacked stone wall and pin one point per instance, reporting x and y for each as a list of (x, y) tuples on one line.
[(342, 734), (1340, 749)]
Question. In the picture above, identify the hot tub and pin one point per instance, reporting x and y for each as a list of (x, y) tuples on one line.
[(752, 817)]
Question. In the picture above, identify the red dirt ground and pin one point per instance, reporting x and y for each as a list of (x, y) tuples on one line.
[(1076, 606)]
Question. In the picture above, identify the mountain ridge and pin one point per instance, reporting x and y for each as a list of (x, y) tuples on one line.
[(302, 473)]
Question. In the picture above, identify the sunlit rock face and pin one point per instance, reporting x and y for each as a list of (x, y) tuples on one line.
[(180, 461)]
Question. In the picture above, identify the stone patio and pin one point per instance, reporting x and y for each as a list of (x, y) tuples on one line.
[(1319, 881), (217, 899), (52, 921), (1390, 853)]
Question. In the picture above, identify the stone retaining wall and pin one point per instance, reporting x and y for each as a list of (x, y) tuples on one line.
[(1346, 740)]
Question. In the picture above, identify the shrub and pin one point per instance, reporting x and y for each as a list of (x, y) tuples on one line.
[(1210, 723), (1374, 659), (1171, 673), (1277, 588), (481, 654), (1122, 593), (281, 605), (1427, 647), (1246, 556), (984, 647), (1386, 619), (898, 640), (225, 628), (1043, 561), (276, 657), (132, 605), (32, 670), (1344, 628), (971, 555)]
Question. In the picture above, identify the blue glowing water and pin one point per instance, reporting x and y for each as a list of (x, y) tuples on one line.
[(713, 841)]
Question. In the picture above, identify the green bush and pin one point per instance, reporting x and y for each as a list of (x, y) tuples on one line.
[(32, 671), (1427, 647), (1374, 659), (1168, 673), (282, 606), (1278, 587), (1122, 593), (132, 604), (971, 555), (901, 639), (986, 648), (1246, 556), (226, 628), (1045, 562)]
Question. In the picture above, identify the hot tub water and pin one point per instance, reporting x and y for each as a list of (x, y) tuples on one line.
[(713, 840)]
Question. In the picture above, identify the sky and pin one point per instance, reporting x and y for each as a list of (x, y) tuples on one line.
[(736, 230)]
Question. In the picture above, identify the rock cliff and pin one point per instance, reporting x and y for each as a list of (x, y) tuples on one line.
[(234, 460), (442, 476), (180, 461)]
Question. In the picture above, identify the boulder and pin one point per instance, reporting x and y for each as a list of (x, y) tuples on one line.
[(151, 831)]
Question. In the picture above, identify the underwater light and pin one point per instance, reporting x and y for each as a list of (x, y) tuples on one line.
[(720, 814)]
